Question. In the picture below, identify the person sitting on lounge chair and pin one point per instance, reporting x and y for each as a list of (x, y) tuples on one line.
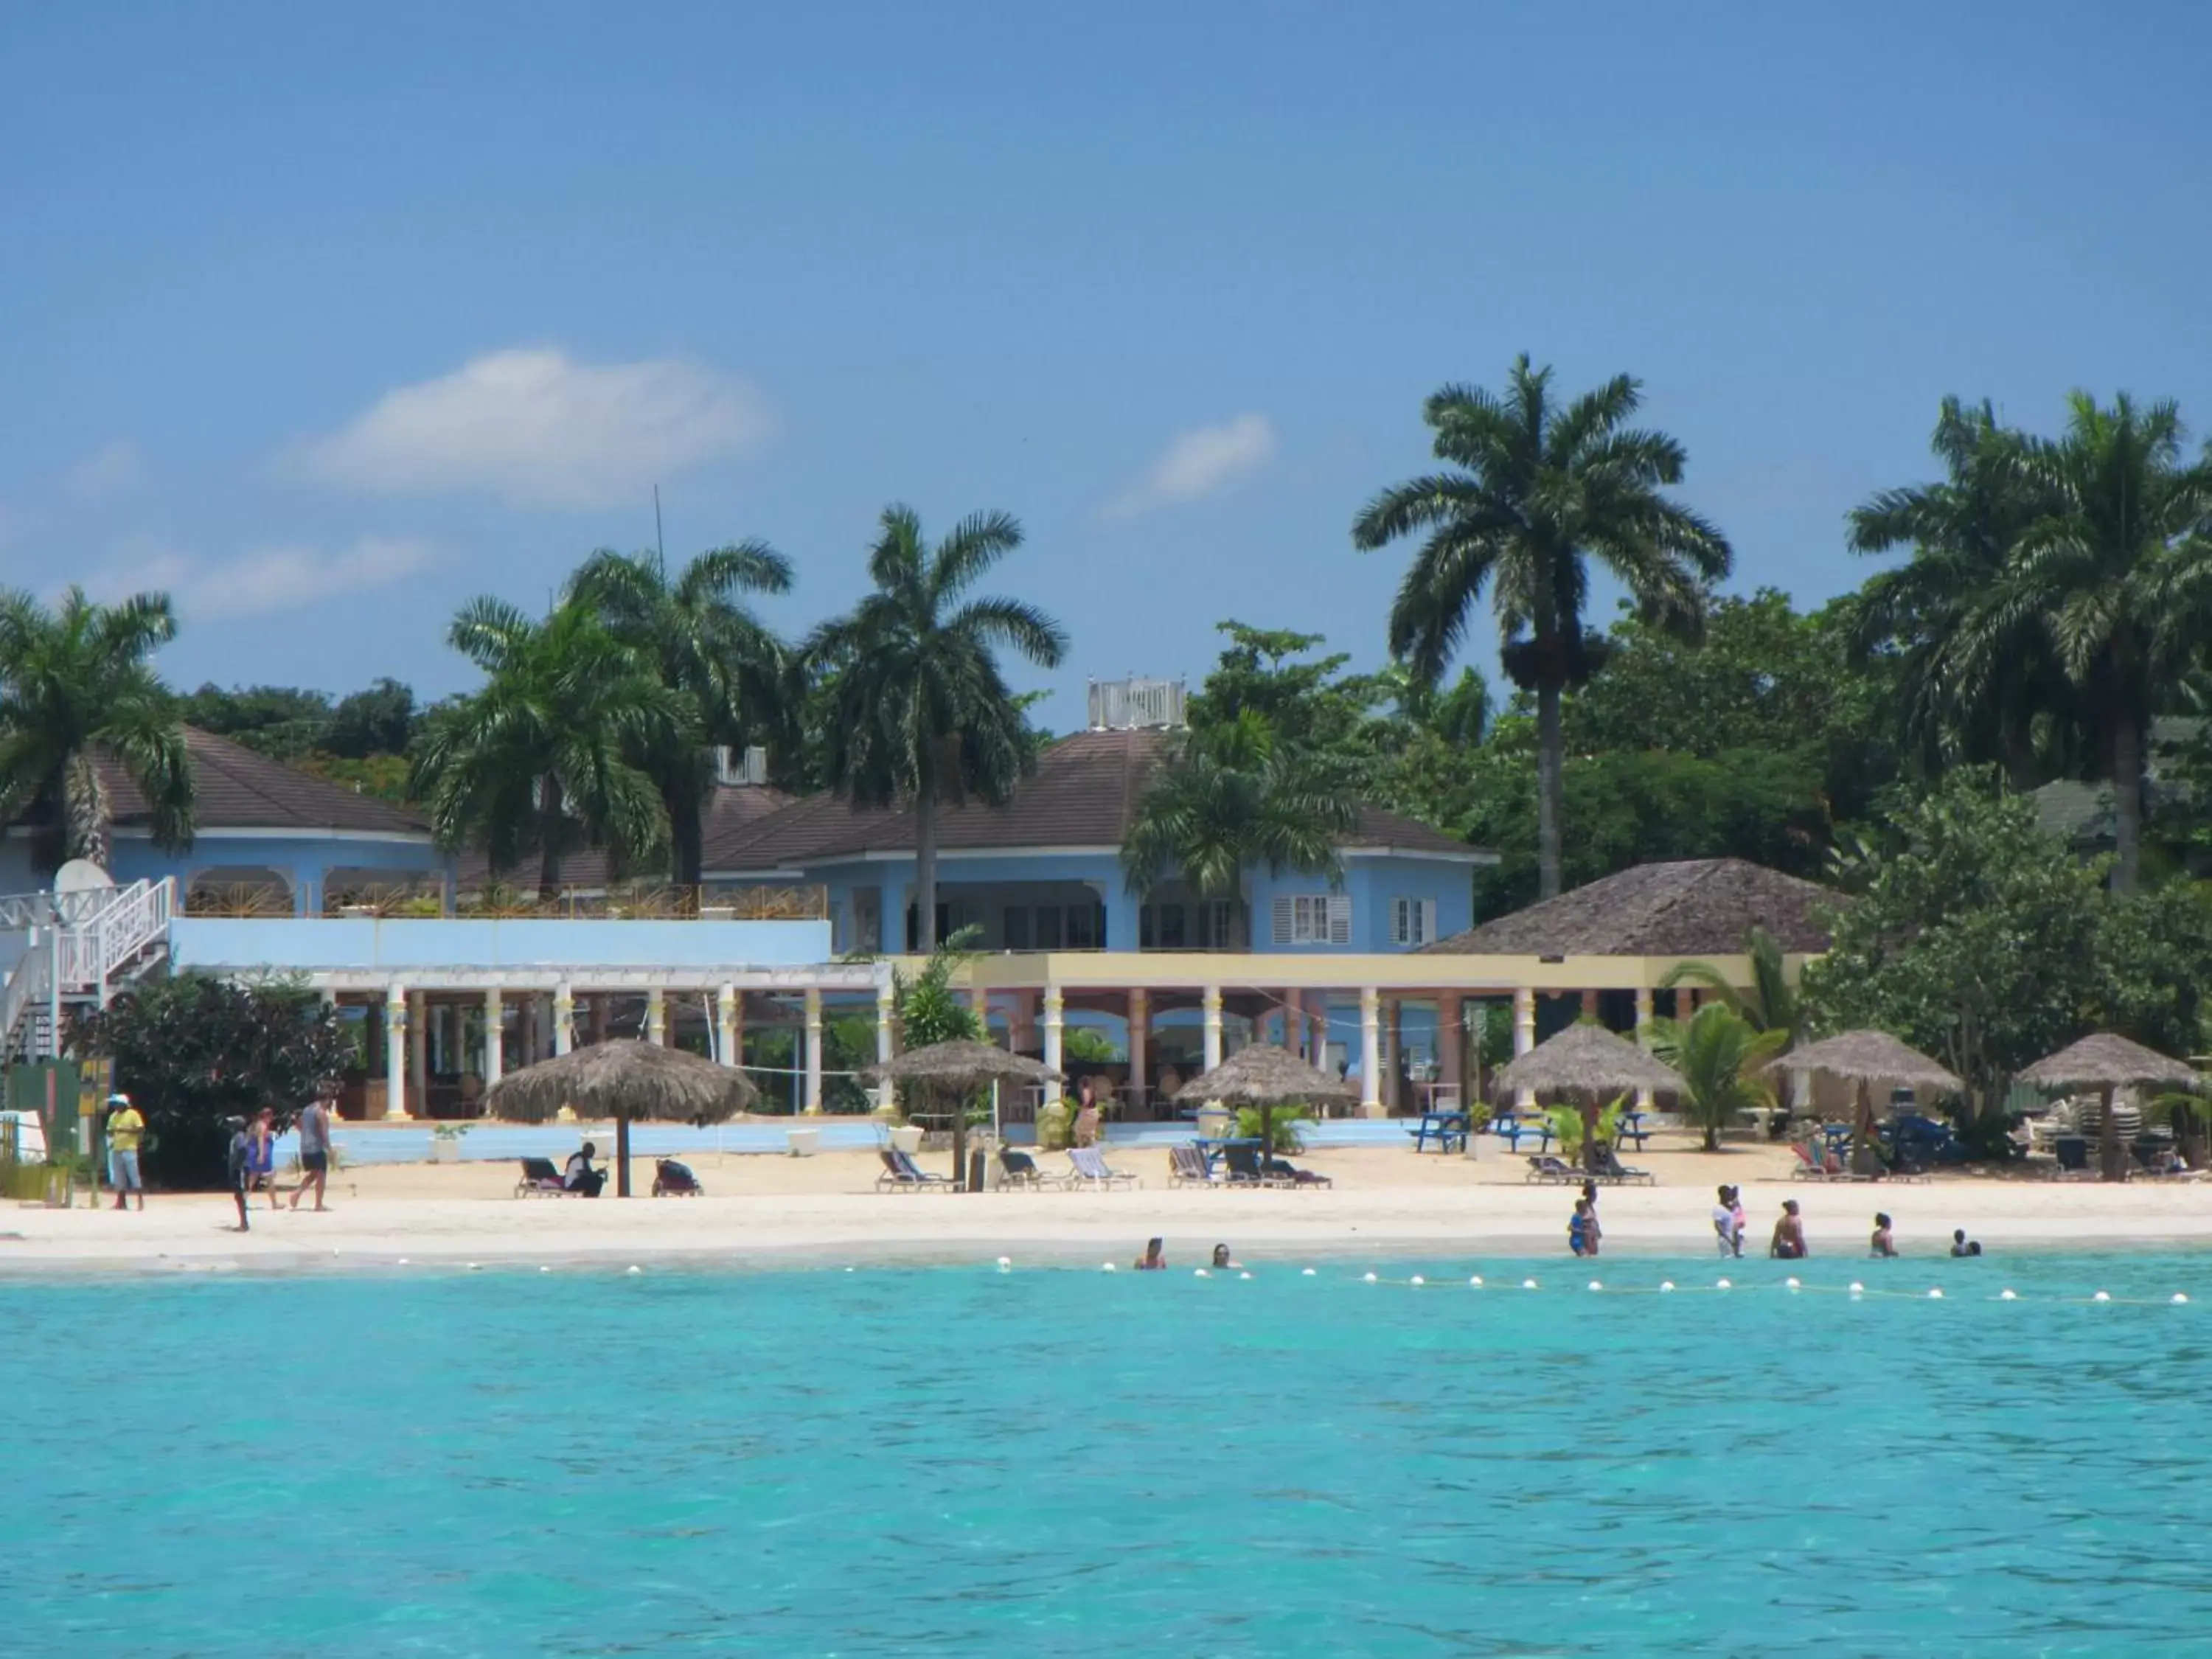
[(1156, 1257), (1883, 1243), (579, 1176)]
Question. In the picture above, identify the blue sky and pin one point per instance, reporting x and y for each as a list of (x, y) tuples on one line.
[(328, 319)]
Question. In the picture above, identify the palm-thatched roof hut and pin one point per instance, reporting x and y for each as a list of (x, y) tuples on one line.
[(2106, 1062), (1865, 1059), (1267, 1075), (957, 1069), (1683, 908), (622, 1080), (1589, 1066)]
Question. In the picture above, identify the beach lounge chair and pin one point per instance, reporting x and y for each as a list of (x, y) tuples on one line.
[(540, 1179), (1187, 1166), (1610, 1169), (1240, 1166), (1549, 1171), (1276, 1170), (672, 1179), (1088, 1170), (1018, 1171), (901, 1174)]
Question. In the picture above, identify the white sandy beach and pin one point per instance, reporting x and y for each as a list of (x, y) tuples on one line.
[(1385, 1201)]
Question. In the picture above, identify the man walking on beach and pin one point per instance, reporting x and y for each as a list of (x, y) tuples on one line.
[(125, 1129), (315, 1145)]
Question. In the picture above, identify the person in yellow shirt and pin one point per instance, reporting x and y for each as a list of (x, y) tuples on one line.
[(125, 1129)]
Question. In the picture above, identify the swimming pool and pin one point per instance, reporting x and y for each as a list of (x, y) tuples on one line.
[(1056, 1461)]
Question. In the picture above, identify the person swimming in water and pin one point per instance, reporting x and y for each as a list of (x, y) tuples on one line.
[(1221, 1257), (1156, 1257), (1882, 1244)]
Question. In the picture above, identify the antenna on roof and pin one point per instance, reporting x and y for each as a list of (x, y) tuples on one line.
[(659, 547)]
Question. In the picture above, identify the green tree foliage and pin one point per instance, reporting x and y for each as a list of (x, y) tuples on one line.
[(1722, 1057), (1535, 492), (194, 1049), (929, 1011), (381, 721), (695, 629), (281, 722), (540, 758), (76, 682), (1969, 934), (917, 710)]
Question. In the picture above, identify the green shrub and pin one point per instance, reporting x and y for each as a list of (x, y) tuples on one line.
[(1285, 1135)]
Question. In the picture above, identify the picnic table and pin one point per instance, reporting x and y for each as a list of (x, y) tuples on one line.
[(1632, 1128), (1510, 1126), (1448, 1129)]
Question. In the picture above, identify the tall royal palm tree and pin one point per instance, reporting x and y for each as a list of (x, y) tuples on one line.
[(695, 626), (541, 757), (915, 706), (1230, 798), (1979, 678), (2118, 569), (76, 684), (1535, 492)]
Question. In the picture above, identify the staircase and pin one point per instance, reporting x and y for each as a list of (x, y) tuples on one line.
[(79, 953)]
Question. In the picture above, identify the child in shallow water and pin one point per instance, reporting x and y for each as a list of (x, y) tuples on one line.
[(1583, 1230)]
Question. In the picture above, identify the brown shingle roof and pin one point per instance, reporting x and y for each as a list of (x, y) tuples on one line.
[(732, 811), (235, 788), (1694, 907), (1083, 793)]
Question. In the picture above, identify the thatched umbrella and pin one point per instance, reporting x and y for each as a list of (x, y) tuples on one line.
[(1590, 1065), (1267, 1076), (961, 1066), (1867, 1058), (2106, 1062), (622, 1080)]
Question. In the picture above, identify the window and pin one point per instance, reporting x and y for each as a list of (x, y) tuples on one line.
[(1082, 926), (1047, 928), (1171, 935), (1145, 927), (1014, 927), (1412, 921), (1313, 919)]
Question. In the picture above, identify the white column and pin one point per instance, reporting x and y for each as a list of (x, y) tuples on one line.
[(1053, 1027), (1370, 1052), (1140, 1034), (1451, 1046), (1211, 1005), (1524, 1036), (886, 1092), (494, 1038), (564, 1017), (656, 1019), (395, 1052), (813, 1049), (726, 1025), (1644, 1101), (418, 1049)]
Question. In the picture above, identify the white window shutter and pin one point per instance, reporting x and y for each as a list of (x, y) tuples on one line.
[(1283, 925), (1428, 922), (1339, 918)]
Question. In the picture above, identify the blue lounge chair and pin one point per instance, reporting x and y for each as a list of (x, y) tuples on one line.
[(1018, 1171), (901, 1174), (1089, 1166)]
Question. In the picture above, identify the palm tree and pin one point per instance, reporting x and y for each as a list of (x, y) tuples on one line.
[(2118, 568), (1969, 691), (541, 756), (1770, 1003), (1229, 796), (76, 687), (696, 628), (915, 708), (1533, 492), (1722, 1057)]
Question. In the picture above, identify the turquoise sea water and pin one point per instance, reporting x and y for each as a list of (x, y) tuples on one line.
[(1059, 1461)]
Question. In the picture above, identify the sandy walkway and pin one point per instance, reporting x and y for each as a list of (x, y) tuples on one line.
[(1385, 1199)]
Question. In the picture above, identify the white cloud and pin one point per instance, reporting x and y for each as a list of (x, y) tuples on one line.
[(262, 580), (105, 472), (1201, 462), (537, 429)]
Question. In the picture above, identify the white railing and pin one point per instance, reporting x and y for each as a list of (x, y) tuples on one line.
[(27, 987), (22, 910), (87, 957), (1136, 704)]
